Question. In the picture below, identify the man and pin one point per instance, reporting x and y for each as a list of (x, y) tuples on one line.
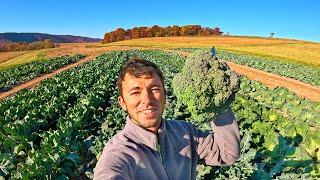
[(151, 147), (214, 53)]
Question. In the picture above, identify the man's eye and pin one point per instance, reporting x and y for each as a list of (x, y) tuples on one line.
[(155, 89)]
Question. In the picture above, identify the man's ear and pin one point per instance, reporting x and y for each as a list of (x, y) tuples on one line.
[(122, 103)]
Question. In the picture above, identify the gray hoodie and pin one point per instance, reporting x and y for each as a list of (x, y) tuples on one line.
[(173, 153)]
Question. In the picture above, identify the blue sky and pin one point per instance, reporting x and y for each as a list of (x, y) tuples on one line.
[(294, 19)]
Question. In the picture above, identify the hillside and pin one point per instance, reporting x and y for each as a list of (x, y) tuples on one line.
[(32, 37)]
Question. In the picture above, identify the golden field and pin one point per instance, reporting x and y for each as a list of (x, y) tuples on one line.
[(9, 55), (280, 49), (16, 58)]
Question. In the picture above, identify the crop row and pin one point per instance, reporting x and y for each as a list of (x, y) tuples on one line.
[(307, 74)]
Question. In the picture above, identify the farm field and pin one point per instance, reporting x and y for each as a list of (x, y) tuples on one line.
[(58, 129)]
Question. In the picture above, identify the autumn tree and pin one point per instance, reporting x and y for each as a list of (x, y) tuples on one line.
[(119, 34), (217, 32), (106, 38), (135, 33), (175, 31), (149, 32), (156, 31)]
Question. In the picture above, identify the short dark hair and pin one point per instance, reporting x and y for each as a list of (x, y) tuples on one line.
[(138, 67)]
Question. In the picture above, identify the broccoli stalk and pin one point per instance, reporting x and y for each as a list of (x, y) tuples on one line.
[(205, 85)]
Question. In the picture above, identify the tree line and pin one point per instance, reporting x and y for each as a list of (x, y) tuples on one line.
[(24, 46), (155, 31)]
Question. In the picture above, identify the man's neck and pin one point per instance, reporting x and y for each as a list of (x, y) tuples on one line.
[(153, 130)]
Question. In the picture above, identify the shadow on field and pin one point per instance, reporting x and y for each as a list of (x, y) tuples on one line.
[(4, 89)]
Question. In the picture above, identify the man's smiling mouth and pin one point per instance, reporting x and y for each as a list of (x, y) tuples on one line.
[(148, 111)]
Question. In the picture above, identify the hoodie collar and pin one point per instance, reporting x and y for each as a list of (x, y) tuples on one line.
[(141, 135)]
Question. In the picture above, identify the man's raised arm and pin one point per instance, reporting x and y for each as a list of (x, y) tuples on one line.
[(222, 147)]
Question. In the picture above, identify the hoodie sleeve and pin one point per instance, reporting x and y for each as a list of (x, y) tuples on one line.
[(222, 146), (113, 166)]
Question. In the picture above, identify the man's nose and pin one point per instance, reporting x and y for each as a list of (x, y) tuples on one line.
[(146, 97)]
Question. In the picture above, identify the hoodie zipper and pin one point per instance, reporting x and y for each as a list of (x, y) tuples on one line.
[(159, 151), (160, 155)]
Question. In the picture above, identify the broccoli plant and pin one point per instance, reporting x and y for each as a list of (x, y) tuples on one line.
[(205, 85)]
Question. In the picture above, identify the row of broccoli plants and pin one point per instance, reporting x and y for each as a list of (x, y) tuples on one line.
[(284, 103), (20, 74), (307, 74), (301, 72)]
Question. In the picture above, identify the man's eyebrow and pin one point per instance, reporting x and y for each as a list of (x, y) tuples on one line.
[(134, 88), (156, 85)]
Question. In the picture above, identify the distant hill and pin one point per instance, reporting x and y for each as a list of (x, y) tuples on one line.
[(32, 37)]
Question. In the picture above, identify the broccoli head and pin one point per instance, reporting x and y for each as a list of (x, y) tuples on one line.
[(205, 85)]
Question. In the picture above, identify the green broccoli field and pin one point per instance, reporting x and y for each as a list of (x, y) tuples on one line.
[(58, 130)]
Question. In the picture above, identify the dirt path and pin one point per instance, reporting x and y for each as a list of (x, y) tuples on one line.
[(37, 80), (271, 80)]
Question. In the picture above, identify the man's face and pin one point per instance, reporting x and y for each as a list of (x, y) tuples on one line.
[(144, 100)]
